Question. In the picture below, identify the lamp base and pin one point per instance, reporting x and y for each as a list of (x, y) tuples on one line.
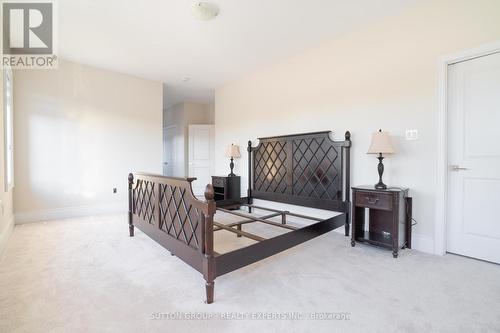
[(381, 186), (231, 166)]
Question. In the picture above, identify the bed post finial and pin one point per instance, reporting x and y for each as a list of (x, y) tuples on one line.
[(249, 148), (210, 197), (130, 204), (209, 192), (348, 136)]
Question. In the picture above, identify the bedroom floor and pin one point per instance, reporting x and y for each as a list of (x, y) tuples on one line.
[(87, 275)]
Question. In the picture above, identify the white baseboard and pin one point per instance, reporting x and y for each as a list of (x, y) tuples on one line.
[(68, 212), (5, 234), (422, 243)]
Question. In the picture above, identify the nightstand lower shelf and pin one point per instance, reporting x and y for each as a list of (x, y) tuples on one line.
[(375, 238)]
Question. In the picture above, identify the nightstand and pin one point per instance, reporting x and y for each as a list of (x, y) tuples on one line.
[(226, 188), (381, 217)]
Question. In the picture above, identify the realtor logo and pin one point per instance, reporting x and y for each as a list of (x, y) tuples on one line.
[(28, 34)]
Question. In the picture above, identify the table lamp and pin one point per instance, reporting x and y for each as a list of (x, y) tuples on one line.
[(381, 144), (232, 151)]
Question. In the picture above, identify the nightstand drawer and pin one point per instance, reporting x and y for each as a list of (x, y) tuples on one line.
[(220, 182), (374, 200)]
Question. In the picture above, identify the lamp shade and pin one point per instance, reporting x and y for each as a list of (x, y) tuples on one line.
[(381, 143), (233, 151)]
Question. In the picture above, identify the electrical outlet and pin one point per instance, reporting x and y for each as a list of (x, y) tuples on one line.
[(412, 134), (115, 190)]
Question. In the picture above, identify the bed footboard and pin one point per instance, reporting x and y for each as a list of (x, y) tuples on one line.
[(166, 210)]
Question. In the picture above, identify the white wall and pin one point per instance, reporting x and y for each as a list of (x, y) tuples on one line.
[(79, 131), (382, 76), (6, 207)]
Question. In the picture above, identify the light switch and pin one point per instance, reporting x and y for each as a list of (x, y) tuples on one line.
[(412, 134)]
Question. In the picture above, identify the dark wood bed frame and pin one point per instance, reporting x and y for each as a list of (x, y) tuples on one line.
[(304, 169)]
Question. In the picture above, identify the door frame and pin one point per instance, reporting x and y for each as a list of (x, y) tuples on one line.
[(440, 233)]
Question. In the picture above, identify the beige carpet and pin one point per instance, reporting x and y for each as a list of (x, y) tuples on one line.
[(87, 275)]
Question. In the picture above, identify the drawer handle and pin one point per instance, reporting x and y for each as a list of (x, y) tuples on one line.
[(372, 202)]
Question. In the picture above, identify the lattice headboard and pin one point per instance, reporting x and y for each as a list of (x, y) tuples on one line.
[(307, 169)]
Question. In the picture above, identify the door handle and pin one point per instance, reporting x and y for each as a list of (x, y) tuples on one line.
[(458, 168)]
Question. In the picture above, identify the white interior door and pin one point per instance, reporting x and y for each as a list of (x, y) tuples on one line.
[(170, 146), (474, 158), (201, 156)]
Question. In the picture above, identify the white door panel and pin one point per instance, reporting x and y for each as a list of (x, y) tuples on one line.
[(169, 134), (474, 150), (482, 103), (201, 156), (173, 165)]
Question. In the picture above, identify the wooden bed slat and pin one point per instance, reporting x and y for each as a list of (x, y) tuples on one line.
[(249, 220), (257, 219), (240, 232)]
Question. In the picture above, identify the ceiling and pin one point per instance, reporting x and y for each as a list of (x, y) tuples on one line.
[(160, 39)]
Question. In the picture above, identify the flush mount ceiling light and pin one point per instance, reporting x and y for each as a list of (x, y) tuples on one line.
[(204, 10)]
